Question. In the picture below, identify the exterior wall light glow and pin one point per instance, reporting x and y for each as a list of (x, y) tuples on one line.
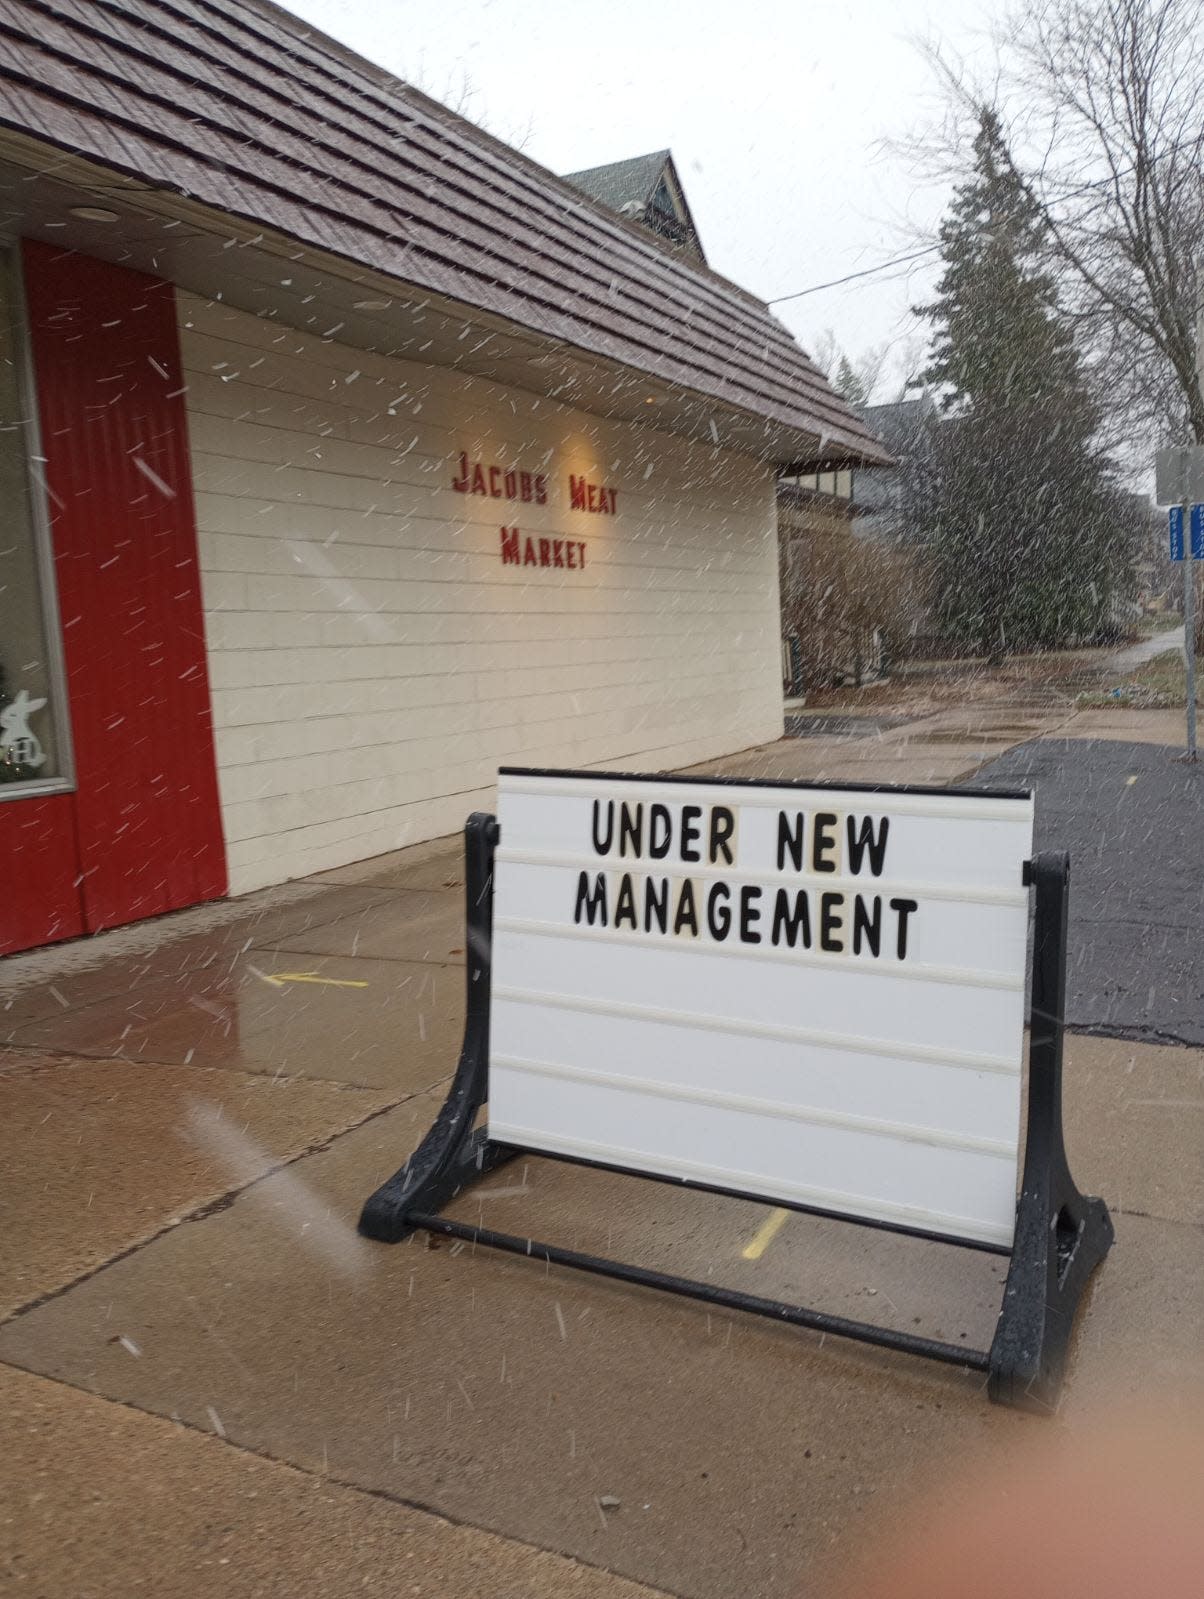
[(93, 213)]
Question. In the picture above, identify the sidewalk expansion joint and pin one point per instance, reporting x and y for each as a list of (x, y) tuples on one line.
[(389, 1496), (1155, 1215), (202, 1212)]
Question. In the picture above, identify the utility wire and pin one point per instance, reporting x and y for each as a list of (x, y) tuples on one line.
[(1193, 140), (851, 277)]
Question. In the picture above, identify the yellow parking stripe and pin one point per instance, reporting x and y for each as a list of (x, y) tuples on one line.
[(765, 1234)]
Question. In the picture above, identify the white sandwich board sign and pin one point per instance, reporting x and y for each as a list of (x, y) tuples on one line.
[(814, 997), (802, 994)]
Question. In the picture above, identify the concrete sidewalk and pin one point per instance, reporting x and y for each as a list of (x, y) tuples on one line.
[(102, 1500), (215, 1386), (1135, 655)]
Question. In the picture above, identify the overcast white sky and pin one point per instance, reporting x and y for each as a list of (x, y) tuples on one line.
[(774, 109)]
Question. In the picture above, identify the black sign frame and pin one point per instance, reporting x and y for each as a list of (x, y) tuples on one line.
[(1061, 1235)]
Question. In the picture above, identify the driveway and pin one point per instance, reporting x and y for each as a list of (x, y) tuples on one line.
[(1131, 817)]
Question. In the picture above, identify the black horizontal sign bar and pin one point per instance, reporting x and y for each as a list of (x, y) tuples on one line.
[(729, 1298), (791, 783)]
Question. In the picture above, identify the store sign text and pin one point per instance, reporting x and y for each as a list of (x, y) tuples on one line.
[(492, 480), (839, 922), (528, 551), (498, 482), (585, 496)]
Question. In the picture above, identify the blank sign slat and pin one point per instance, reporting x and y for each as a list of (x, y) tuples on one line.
[(999, 1148), (833, 997), (752, 1179), (971, 1060), (860, 1080)]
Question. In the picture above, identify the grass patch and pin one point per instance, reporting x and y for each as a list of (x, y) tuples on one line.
[(1158, 685)]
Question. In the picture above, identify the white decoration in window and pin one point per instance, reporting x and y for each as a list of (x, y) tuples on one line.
[(17, 740)]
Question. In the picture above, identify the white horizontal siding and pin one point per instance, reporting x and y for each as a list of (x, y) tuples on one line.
[(372, 662)]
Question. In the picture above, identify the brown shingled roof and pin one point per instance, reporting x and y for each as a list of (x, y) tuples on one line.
[(246, 110)]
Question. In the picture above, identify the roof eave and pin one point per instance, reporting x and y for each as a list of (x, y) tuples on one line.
[(778, 437), (839, 458)]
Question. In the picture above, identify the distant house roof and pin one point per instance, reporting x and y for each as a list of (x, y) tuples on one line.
[(898, 423), (245, 110), (622, 183), (646, 189), (878, 496)]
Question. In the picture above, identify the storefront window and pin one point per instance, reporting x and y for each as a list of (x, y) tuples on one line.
[(32, 742)]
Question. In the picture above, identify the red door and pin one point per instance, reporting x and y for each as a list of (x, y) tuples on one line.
[(114, 436)]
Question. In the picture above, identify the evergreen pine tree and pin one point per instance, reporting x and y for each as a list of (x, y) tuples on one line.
[(849, 383), (1027, 548)]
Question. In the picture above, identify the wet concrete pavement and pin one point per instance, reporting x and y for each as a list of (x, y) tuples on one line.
[(187, 1514), (188, 1126), (101, 1155)]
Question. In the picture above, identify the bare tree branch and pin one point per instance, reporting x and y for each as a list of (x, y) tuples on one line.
[(1103, 102)]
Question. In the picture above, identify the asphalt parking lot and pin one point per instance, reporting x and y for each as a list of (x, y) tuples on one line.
[(1131, 817)]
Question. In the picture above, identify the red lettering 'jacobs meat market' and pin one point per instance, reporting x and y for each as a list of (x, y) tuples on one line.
[(496, 482), (586, 496), (519, 551), (500, 483)]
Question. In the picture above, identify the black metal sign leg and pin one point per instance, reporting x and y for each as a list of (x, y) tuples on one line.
[(1061, 1235), (452, 1154)]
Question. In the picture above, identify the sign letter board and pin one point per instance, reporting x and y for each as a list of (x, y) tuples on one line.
[(803, 994), (813, 995)]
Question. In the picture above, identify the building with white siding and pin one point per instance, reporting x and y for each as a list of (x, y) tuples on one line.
[(357, 455)]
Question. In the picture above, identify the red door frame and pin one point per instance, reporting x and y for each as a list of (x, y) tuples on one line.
[(145, 815)]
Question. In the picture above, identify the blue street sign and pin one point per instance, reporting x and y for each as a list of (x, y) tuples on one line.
[(1175, 518), (1175, 521)]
